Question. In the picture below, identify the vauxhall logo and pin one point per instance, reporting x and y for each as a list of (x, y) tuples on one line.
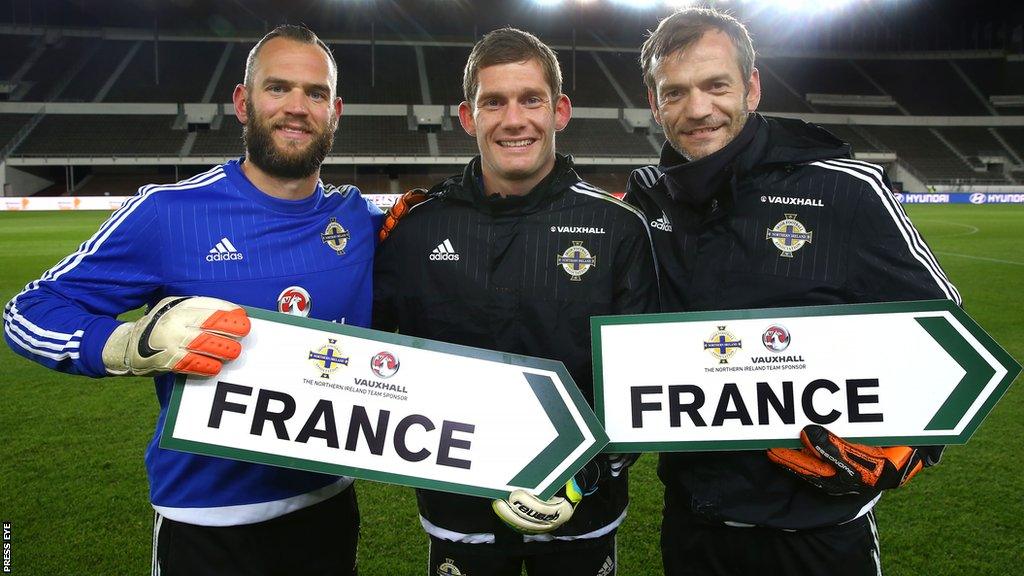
[(792, 201)]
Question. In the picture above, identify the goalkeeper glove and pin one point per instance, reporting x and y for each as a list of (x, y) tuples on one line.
[(178, 334), (399, 209), (839, 467), (528, 514)]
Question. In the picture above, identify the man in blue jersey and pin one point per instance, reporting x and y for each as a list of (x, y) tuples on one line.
[(260, 231)]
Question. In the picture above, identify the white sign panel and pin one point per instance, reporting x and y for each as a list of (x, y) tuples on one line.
[(331, 398), (886, 374)]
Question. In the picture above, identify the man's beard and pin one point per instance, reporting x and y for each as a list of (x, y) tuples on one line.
[(263, 152)]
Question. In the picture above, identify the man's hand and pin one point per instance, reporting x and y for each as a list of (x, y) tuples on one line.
[(528, 514), (399, 209), (840, 467), (179, 334)]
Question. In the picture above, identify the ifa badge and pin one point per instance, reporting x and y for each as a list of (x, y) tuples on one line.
[(789, 235)]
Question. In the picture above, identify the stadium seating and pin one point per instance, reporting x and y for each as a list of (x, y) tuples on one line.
[(596, 138), (9, 126), (933, 88), (103, 135), (91, 68)]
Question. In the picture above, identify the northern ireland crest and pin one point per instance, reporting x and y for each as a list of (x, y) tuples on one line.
[(789, 235), (335, 236), (576, 260)]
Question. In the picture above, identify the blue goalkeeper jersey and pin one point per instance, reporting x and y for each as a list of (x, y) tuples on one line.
[(212, 235)]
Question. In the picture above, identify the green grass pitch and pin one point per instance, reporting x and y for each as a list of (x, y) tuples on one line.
[(73, 487)]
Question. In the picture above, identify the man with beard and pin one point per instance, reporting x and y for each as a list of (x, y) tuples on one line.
[(259, 231), (750, 211), (516, 254)]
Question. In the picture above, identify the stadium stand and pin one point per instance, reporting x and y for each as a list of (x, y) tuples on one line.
[(133, 69), (850, 135), (16, 49), (444, 75), (625, 69), (85, 85), (776, 95), (995, 76), (224, 141), (594, 137), (234, 70), (166, 72), (973, 141), (389, 76), (584, 81), (9, 126), (103, 135), (456, 142), (821, 75), (926, 153), (379, 136), (933, 88)]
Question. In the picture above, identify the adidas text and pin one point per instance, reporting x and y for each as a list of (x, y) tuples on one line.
[(444, 256), (224, 257)]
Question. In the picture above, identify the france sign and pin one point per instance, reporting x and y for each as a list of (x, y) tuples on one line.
[(338, 399), (899, 373)]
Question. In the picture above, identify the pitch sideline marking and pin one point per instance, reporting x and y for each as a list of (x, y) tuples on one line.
[(981, 258)]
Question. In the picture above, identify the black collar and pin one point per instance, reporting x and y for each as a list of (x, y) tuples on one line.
[(470, 189)]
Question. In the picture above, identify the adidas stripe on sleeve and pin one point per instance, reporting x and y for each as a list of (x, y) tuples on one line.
[(890, 230), (63, 319)]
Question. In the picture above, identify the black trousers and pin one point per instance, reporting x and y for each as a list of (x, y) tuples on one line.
[(590, 557), (316, 541), (690, 546)]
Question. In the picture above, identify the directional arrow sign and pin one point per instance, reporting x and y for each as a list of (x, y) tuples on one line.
[(899, 373), (331, 398)]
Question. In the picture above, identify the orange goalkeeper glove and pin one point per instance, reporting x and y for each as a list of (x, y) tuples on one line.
[(840, 467), (399, 209), (187, 335)]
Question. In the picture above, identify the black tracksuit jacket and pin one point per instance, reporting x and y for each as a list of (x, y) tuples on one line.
[(485, 272), (719, 256)]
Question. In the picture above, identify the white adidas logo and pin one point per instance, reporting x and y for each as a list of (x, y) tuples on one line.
[(444, 251), (662, 223), (224, 250)]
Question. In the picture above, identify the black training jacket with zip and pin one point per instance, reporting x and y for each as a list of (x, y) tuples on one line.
[(484, 271), (857, 246)]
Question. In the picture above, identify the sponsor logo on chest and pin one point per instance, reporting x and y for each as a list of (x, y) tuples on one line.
[(294, 300), (577, 230), (790, 201)]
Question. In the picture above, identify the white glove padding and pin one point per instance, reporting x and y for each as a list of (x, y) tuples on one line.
[(178, 334), (528, 514)]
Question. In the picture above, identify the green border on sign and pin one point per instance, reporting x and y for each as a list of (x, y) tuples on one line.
[(549, 459), (1012, 367)]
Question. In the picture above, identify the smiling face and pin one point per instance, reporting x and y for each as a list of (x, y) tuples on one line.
[(514, 118), (700, 98), (289, 109)]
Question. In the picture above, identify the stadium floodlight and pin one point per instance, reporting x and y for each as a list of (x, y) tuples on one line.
[(803, 6), (548, 3), (677, 4), (638, 4)]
